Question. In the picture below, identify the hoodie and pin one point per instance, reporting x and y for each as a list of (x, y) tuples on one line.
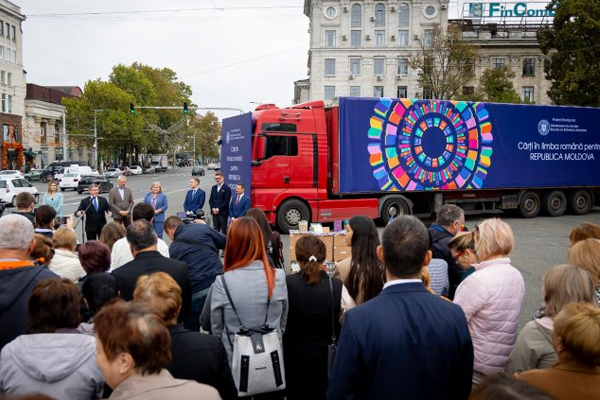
[(60, 365), (16, 285)]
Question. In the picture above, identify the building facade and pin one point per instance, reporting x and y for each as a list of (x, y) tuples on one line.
[(12, 85), (363, 47), (43, 126)]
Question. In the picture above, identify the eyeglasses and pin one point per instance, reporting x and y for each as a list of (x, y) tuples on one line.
[(458, 255)]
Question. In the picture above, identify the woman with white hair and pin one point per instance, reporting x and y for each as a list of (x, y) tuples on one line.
[(491, 298), (158, 200)]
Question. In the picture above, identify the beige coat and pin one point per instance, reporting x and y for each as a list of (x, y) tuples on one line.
[(342, 270), (163, 386), (118, 204)]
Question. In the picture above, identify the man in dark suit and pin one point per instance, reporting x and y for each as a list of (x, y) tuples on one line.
[(405, 343), (94, 207), (195, 197), (240, 204), (220, 196), (121, 202), (147, 260)]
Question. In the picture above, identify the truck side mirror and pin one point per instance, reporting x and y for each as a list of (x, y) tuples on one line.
[(261, 145)]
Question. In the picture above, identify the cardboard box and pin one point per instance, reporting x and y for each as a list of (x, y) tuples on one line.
[(327, 239), (341, 252)]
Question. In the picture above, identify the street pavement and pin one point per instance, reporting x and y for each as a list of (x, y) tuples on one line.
[(540, 243)]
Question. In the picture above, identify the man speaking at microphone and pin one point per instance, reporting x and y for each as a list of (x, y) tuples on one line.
[(95, 208)]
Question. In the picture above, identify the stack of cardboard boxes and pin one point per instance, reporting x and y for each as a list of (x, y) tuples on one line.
[(335, 243)]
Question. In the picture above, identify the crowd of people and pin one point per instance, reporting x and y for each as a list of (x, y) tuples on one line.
[(418, 313)]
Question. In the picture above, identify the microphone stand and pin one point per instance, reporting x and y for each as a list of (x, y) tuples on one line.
[(83, 218)]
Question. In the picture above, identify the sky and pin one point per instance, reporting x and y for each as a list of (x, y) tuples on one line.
[(233, 53)]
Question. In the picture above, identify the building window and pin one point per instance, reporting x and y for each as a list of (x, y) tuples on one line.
[(468, 90), (7, 30), (13, 54), (379, 66), (527, 94), (402, 92), (403, 15), (329, 66), (355, 38), (378, 91), (10, 99), (3, 102), (379, 38), (428, 37), (1, 28), (403, 38), (329, 38), (356, 16), (529, 67), (497, 62), (9, 78), (379, 15), (355, 64), (329, 92), (402, 66), (330, 12), (427, 94), (14, 33), (355, 91), (3, 77)]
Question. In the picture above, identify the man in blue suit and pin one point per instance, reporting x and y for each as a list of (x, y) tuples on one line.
[(405, 343), (220, 196), (194, 198), (239, 204)]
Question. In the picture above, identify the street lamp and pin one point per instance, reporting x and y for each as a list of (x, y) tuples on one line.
[(96, 138)]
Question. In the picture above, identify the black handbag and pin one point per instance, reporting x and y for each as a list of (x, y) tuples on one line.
[(331, 348)]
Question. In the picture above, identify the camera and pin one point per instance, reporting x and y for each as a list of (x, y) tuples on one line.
[(60, 221), (188, 217)]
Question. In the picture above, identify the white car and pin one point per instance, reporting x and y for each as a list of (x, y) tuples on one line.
[(10, 173), (69, 181), (211, 166), (135, 170), (113, 172), (11, 187)]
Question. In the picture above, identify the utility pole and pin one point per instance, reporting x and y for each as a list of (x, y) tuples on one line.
[(64, 136), (96, 139)]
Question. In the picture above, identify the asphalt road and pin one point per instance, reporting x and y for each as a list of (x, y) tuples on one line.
[(540, 243)]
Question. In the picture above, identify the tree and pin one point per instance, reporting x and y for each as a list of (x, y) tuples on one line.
[(445, 63), (495, 85), (572, 47)]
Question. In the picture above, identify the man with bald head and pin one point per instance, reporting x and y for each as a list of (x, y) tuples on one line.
[(18, 276), (120, 200)]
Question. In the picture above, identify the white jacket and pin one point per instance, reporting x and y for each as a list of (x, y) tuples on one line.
[(491, 299), (121, 253), (66, 264)]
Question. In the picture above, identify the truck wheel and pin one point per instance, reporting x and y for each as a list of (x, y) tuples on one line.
[(290, 214), (530, 205), (394, 205), (580, 202), (555, 203)]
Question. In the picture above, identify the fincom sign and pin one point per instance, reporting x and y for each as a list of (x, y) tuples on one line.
[(503, 10)]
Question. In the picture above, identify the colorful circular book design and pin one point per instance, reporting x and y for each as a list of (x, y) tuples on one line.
[(429, 144)]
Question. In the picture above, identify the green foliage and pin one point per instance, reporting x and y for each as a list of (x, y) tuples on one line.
[(445, 65), (572, 48), (495, 85)]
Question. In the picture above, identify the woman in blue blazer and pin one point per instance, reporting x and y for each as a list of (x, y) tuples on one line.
[(158, 200), (54, 198)]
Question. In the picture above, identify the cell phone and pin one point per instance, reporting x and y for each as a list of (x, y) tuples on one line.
[(62, 220)]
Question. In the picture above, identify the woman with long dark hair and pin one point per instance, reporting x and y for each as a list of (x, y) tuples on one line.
[(273, 243), (362, 272)]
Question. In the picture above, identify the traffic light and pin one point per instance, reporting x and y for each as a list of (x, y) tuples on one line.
[(131, 108), (185, 108)]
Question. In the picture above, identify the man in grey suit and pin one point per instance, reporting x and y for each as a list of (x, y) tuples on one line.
[(120, 200)]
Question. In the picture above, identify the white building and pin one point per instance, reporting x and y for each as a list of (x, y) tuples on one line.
[(12, 85)]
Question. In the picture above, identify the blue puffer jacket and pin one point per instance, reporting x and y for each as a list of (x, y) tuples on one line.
[(203, 260)]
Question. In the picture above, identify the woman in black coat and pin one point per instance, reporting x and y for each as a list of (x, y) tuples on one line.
[(313, 321)]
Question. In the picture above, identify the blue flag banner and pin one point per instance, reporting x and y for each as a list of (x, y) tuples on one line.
[(418, 145), (236, 150)]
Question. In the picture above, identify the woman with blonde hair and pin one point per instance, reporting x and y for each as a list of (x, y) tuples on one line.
[(158, 200), (586, 254), (65, 262), (491, 298), (111, 233), (561, 285), (576, 338), (53, 198), (462, 248)]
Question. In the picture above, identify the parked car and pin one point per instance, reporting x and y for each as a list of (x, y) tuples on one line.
[(198, 170), (69, 181), (34, 175), (10, 173), (149, 170), (217, 166), (112, 172), (211, 166), (136, 170), (11, 187), (104, 184)]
